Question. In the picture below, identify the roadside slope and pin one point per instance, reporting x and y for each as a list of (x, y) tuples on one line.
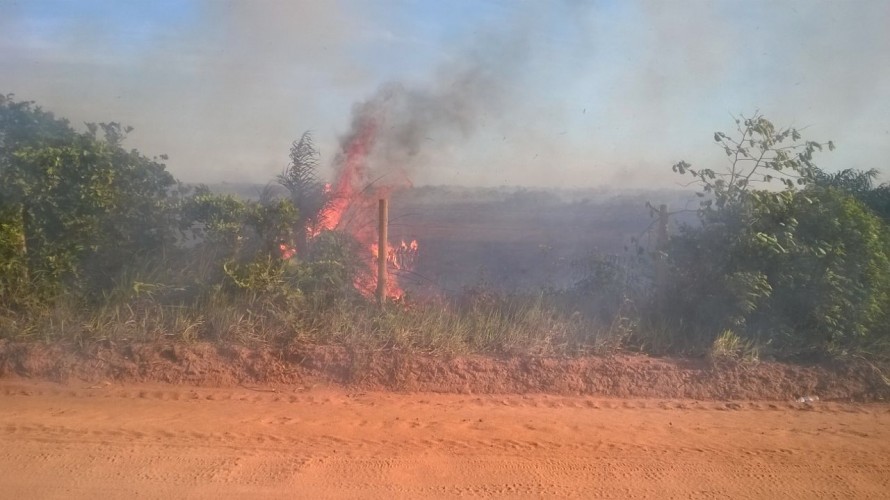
[(633, 376)]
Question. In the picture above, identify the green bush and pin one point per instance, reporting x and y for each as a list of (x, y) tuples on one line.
[(802, 271), (75, 208)]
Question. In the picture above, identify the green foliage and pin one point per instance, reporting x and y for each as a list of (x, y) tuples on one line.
[(800, 270), (730, 347), (248, 242), (79, 205), (332, 267), (252, 243), (22, 123), (215, 220), (860, 185), (266, 278), (14, 279), (830, 271), (761, 155), (854, 182), (238, 229)]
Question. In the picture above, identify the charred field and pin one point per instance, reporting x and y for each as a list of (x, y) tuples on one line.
[(520, 240)]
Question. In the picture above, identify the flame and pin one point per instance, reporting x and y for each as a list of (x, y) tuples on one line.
[(352, 172), (287, 251), (402, 256), (352, 208), (399, 257)]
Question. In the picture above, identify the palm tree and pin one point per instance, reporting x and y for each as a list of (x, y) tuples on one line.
[(306, 192)]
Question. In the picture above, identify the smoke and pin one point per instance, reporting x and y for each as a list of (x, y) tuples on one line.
[(819, 65), (490, 92), (221, 87), (418, 126)]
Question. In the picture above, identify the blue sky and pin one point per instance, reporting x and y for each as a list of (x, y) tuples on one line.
[(580, 93)]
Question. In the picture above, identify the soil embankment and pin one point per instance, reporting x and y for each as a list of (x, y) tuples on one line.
[(627, 376)]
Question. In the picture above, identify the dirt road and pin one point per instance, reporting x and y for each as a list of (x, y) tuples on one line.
[(110, 441)]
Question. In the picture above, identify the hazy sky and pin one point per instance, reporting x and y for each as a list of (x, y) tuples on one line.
[(572, 93)]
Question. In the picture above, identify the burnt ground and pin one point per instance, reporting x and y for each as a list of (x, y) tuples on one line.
[(619, 375)]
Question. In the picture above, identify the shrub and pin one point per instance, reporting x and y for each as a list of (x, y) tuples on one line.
[(806, 271)]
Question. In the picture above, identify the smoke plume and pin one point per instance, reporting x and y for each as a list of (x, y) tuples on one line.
[(414, 125)]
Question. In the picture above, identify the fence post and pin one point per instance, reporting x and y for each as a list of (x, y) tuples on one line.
[(382, 250)]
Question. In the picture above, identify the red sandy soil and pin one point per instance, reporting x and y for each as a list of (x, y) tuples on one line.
[(208, 421), (165, 441)]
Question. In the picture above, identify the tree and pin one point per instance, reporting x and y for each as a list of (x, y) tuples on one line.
[(306, 192), (76, 204), (759, 157), (22, 124), (860, 185), (803, 270)]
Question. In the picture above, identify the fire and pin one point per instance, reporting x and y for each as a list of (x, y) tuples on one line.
[(403, 255), (352, 205), (287, 251), (351, 174), (399, 257)]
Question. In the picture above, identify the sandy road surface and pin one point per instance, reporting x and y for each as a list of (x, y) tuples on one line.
[(175, 442)]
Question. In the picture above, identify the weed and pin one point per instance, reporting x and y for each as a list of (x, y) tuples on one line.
[(729, 346)]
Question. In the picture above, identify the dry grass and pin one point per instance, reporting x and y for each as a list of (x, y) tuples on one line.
[(521, 324)]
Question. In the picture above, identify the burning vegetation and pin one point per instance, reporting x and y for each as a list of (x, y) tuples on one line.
[(105, 239), (348, 206)]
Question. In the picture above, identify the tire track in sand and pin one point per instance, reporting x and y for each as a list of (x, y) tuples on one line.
[(163, 441)]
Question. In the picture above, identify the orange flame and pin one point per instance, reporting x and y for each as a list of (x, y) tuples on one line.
[(398, 257), (352, 209), (287, 251), (351, 174), (402, 256)]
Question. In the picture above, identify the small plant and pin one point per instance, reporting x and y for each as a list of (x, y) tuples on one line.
[(728, 346)]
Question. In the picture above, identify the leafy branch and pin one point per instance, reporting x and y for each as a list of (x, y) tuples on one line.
[(759, 155)]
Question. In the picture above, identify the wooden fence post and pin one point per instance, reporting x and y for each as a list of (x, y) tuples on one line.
[(382, 250)]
